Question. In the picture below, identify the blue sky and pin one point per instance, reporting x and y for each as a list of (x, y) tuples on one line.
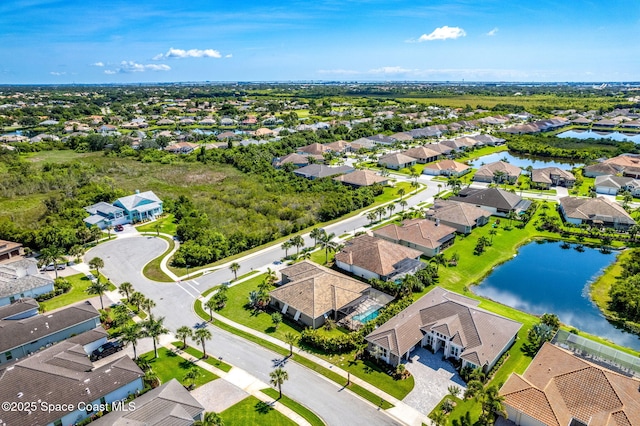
[(115, 41)]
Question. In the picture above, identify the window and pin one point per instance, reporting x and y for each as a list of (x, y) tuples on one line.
[(8, 355)]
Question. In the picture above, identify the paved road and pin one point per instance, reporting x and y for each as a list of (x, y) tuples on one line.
[(124, 259)]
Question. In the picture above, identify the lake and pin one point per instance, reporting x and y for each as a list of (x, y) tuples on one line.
[(545, 278), (523, 161), (590, 134)]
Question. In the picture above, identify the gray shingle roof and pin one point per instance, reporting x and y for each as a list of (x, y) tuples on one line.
[(490, 197), (21, 276), (320, 170), (595, 209), (454, 212)]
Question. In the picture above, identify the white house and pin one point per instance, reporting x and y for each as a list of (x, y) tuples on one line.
[(21, 278)]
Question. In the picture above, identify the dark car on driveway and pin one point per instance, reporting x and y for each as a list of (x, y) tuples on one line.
[(106, 350)]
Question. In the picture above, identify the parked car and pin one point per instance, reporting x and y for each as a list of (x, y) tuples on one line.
[(106, 350), (52, 267), (119, 228), (91, 278)]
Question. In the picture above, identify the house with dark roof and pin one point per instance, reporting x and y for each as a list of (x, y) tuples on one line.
[(447, 322), (311, 294), (21, 278), (496, 201), (396, 161), (360, 178), (23, 335), (552, 176), (595, 212), (498, 172), (130, 209), (318, 171), (559, 388), (169, 404), (64, 385), (429, 237), (369, 257), (462, 217)]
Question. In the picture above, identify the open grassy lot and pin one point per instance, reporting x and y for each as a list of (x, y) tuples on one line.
[(78, 293), (169, 366), (529, 102), (164, 225), (307, 414), (215, 362), (252, 411), (152, 269)]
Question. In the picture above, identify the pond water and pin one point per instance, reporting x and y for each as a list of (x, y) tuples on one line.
[(545, 278), (590, 134), (523, 161)]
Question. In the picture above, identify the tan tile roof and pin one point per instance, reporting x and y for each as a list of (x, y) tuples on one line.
[(396, 159), (338, 146), (422, 232), (499, 166), (454, 212), (449, 165), (374, 254), (316, 290), (624, 160), (421, 152), (574, 388), (594, 209), (314, 149), (361, 178), (544, 175)]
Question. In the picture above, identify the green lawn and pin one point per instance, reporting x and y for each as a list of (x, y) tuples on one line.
[(152, 269), (167, 225), (78, 292), (169, 366), (252, 411), (307, 414), (213, 361)]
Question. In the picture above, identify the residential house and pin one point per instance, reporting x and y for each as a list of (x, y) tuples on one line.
[(613, 185), (165, 122), (601, 169), (296, 159), (462, 217), (609, 124), (68, 384), (264, 132), (26, 335), (491, 140), (496, 201), (169, 404), (225, 136), (360, 178), (552, 176), (21, 278), (182, 148), (499, 172), (369, 257), (441, 148), (362, 143), (317, 171), (311, 293), (423, 154), (456, 144), (9, 249), (130, 209), (315, 149), (596, 212), (559, 388), (446, 168), (430, 237), (396, 161), (628, 164), (381, 139), (401, 137), (447, 322), (339, 146)]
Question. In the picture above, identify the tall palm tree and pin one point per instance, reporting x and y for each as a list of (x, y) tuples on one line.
[(454, 182), (286, 246), (492, 232), (381, 211), (403, 204), (371, 217), (315, 234), (191, 376), (97, 264), (211, 304), (202, 335), (131, 334), (126, 289), (98, 287), (136, 299), (290, 339), (278, 377), (183, 333), (51, 255), (155, 328), (235, 266), (147, 304), (297, 242), (209, 419), (401, 192), (327, 244), (391, 208)]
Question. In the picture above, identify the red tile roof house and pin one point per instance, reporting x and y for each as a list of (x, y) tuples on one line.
[(449, 322), (427, 236)]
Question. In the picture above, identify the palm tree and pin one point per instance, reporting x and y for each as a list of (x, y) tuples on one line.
[(297, 242), (403, 204), (136, 299), (380, 211), (235, 266), (327, 244), (131, 334), (438, 418), (183, 333), (126, 289), (202, 335), (286, 246), (315, 234), (211, 304), (492, 402), (290, 339), (157, 227), (438, 260), (415, 185), (371, 217), (51, 255), (454, 182), (209, 419), (391, 208), (278, 377), (98, 287), (191, 376), (147, 304), (96, 263), (511, 216), (401, 192), (492, 232), (154, 328)]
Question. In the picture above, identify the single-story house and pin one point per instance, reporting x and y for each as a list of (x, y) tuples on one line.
[(24, 336), (498, 172), (369, 257), (182, 148), (611, 185), (359, 178), (559, 388), (294, 158), (313, 149), (441, 148), (311, 293), (339, 146), (456, 144), (396, 161), (170, 403), (447, 322), (317, 171), (427, 236), (130, 209), (446, 168), (66, 381), (362, 143), (382, 139), (552, 176), (21, 278), (9, 249), (595, 211), (423, 154), (488, 139), (228, 135), (627, 164), (496, 201), (601, 169), (461, 216), (401, 137)]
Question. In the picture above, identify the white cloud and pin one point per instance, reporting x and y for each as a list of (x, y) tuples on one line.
[(131, 66), (57, 73), (229, 55), (442, 33), (110, 72), (98, 64), (493, 32), (389, 70), (191, 53)]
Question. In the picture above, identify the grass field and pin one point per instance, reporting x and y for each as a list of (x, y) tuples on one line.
[(530, 102), (169, 366), (152, 269), (215, 362), (252, 411), (78, 293), (307, 414), (166, 225)]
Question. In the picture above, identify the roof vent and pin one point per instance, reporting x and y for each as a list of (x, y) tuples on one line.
[(87, 391)]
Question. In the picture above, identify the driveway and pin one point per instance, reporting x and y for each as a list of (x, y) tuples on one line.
[(432, 376)]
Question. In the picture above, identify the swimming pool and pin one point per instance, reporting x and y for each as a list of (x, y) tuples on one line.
[(368, 315)]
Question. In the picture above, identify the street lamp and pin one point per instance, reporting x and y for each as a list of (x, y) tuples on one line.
[(188, 271)]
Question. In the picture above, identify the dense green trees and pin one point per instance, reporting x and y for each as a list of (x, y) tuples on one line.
[(625, 292)]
